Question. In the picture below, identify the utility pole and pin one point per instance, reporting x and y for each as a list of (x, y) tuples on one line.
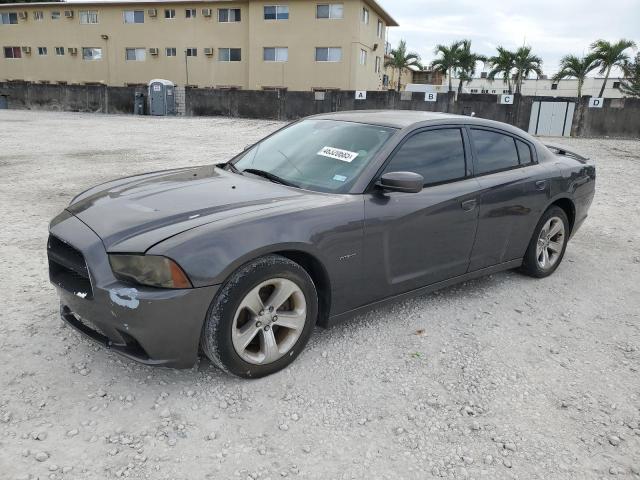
[(186, 66)]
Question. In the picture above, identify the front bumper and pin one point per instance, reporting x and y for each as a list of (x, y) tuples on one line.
[(150, 325)]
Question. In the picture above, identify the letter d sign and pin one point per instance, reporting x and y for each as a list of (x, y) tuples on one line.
[(596, 102)]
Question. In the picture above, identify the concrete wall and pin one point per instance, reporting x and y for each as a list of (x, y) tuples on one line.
[(70, 98), (617, 118)]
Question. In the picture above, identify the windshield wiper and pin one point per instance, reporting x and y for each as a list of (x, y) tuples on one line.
[(269, 176)]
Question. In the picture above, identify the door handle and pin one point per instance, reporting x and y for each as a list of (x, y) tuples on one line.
[(469, 205), (541, 184)]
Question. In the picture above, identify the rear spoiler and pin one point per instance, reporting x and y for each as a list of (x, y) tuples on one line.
[(565, 152)]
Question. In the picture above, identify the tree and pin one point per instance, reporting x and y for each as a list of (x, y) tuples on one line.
[(630, 85), (448, 60), (502, 64), (466, 63), (399, 59), (578, 67), (525, 63), (610, 55)]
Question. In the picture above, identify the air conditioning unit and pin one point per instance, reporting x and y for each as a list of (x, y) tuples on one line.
[(375, 47), (72, 50), (206, 12), (23, 15), (153, 51), (208, 51), (68, 13), (26, 50), (152, 12)]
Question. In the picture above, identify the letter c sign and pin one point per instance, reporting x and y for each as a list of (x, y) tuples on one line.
[(506, 99)]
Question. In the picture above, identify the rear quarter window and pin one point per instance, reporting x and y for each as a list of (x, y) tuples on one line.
[(494, 151), (524, 152)]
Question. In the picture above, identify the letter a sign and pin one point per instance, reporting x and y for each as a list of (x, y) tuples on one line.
[(361, 95)]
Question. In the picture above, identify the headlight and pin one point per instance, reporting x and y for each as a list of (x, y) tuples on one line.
[(151, 270)]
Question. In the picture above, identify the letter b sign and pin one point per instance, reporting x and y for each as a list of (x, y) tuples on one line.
[(430, 96)]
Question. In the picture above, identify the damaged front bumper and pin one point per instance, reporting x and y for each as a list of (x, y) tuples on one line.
[(150, 325)]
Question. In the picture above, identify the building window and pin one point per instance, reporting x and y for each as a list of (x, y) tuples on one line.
[(227, 15), (505, 91), (190, 13), (59, 50), (12, 52), (133, 16), (276, 12), (554, 86), (38, 15), (55, 15), (89, 53), (363, 57), (169, 13), (328, 54), (10, 18), (474, 90), (135, 54), (191, 52), (229, 55), (42, 50), (170, 51), (330, 10), (616, 85), (380, 29), (365, 15), (88, 17), (276, 54), (378, 66)]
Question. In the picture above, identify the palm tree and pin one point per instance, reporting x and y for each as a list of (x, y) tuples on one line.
[(399, 59), (448, 60), (610, 55), (466, 64), (578, 67), (630, 85), (502, 64), (525, 63)]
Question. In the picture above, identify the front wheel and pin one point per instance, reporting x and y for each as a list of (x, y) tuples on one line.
[(261, 318), (548, 244)]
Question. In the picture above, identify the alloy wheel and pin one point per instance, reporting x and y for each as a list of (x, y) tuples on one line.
[(269, 321), (550, 243)]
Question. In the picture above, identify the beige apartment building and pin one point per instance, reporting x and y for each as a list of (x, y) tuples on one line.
[(248, 44)]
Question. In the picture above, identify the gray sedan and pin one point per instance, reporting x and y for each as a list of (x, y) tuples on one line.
[(325, 218)]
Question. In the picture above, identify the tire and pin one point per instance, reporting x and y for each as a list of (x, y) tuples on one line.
[(534, 261), (235, 316)]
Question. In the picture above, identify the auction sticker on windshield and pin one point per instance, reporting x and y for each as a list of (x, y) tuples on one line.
[(338, 154)]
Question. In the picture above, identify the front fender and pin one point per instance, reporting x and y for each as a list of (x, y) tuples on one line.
[(332, 233)]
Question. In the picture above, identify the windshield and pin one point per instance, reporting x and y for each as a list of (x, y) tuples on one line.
[(323, 155)]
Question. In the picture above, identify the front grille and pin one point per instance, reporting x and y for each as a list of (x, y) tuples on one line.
[(67, 268)]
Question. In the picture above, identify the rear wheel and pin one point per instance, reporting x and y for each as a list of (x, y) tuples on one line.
[(548, 244), (262, 318)]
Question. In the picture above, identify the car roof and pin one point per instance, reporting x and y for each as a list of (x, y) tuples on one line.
[(408, 118)]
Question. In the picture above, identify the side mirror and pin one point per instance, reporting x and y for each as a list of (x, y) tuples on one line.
[(408, 182)]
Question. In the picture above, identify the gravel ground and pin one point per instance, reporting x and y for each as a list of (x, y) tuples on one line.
[(502, 377)]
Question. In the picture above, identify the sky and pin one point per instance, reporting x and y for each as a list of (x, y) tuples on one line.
[(553, 28)]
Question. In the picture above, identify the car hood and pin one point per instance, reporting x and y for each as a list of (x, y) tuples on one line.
[(133, 214)]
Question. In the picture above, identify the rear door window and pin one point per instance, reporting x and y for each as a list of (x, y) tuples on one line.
[(495, 151), (437, 155)]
